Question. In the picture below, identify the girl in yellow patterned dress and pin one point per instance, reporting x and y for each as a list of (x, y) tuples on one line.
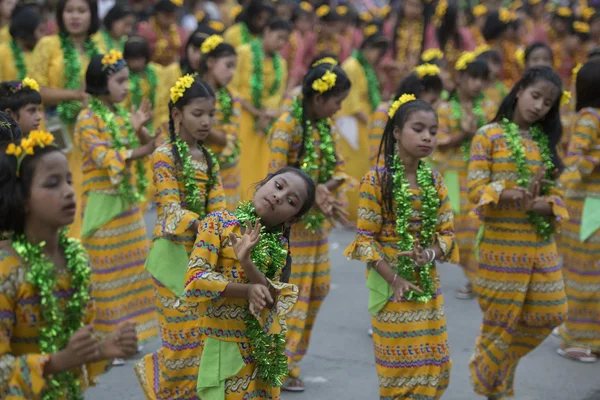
[(580, 239), (405, 224), (459, 118), (305, 138), (424, 83), (58, 64), (519, 282), (260, 80), (16, 54), (46, 353), (114, 232), (188, 183), (217, 68), (237, 287)]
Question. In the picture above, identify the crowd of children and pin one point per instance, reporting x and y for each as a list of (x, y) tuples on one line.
[(246, 129)]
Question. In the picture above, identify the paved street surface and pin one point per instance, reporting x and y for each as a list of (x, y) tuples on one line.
[(340, 362)]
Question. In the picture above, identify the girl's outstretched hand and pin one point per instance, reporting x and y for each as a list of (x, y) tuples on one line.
[(121, 343), (243, 246)]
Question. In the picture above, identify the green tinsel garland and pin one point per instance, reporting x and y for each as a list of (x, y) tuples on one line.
[(245, 35), (543, 226), (257, 79), (373, 88), (269, 256), (59, 323), (225, 105), (68, 110), (457, 115), (136, 89), (405, 267), (126, 189), (321, 168), (193, 197), (19, 60), (110, 43)]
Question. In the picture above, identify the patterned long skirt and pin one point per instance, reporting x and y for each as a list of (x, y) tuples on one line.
[(311, 273), (410, 342), (466, 227), (582, 280), (122, 289), (521, 293)]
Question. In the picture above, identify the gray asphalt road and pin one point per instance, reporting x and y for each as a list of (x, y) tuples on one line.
[(340, 362)]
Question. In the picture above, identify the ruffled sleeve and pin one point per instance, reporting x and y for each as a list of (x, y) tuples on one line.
[(204, 284), (444, 230), (370, 221), (482, 190), (177, 219), (377, 124), (91, 134), (583, 154), (273, 320), (41, 60), (555, 198), (280, 142)]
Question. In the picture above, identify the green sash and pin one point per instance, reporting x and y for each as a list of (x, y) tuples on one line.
[(453, 184), (168, 263), (380, 291), (100, 209), (220, 360), (590, 218)]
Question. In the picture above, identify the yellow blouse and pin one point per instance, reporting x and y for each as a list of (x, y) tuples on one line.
[(48, 63), (358, 98), (233, 35), (8, 69), (241, 83), (581, 176), (173, 218), (5, 34), (231, 129), (21, 363), (213, 265), (104, 46)]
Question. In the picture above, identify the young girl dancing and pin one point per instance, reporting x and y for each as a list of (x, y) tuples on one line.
[(114, 144), (406, 223), (217, 68), (186, 176), (519, 282), (305, 138), (22, 101), (235, 285), (48, 347)]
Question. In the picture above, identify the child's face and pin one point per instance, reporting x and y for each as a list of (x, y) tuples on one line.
[(137, 64), (327, 107), (194, 56), (572, 43), (418, 135), (534, 101), (77, 17), (431, 96), (494, 68), (123, 26), (472, 86), (304, 23), (51, 200), (280, 199), (29, 118), (539, 57), (118, 85), (284, 11), (223, 69), (372, 55), (275, 40), (165, 20), (195, 119)]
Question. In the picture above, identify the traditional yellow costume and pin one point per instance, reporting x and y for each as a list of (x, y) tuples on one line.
[(171, 372), (254, 145), (377, 123), (410, 338), (519, 281), (114, 232), (238, 35), (580, 237), (8, 68)]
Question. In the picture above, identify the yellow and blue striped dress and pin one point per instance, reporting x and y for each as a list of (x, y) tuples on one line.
[(118, 248), (171, 372), (410, 340), (519, 281), (581, 259)]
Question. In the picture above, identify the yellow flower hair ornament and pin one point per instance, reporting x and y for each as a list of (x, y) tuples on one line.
[(564, 12), (370, 30), (534, 2), (465, 59), (182, 84), (306, 6), (216, 26), (341, 10), (178, 3), (432, 54), (482, 49), (200, 15), (325, 60), (235, 11), (365, 16), (30, 83), (113, 61), (581, 27), (506, 16), (424, 70), (588, 12), (480, 10), (322, 11), (520, 57), (440, 12), (575, 72), (211, 43), (565, 98), (516, 5), (26, 148), (382, 12), (325, 83), (405, 98)]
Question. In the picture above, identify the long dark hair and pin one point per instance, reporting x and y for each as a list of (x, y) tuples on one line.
[(9, 130), (387, 148), (14, 96), (426, 17), (550, 123), (342, 84), (221, 51), (493, 27), (251, 10), (195, 40), (449, 28), (587, 86), (15, 188), (198, 90)]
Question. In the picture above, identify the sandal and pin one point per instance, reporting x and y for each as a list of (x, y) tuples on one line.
[(466, 292), (293, 385), (578, 354)]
